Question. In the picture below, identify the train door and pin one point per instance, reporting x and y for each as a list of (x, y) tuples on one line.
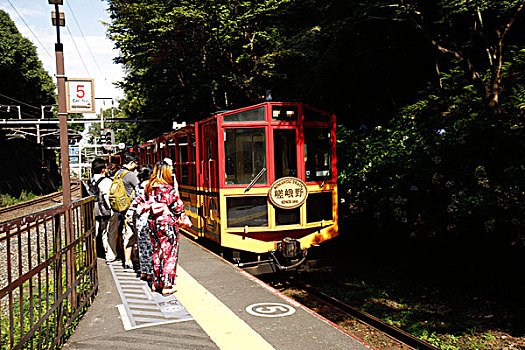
[(208, 156), (285, 155)]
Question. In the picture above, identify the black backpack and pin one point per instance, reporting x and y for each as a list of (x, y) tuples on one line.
[(101, 207)]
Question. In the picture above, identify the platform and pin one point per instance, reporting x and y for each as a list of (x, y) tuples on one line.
[(217, 306)]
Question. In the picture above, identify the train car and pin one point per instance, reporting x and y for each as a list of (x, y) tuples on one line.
[(260, 181)]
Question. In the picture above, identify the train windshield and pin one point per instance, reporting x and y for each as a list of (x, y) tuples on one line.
[(317, 154), (245, 151), (285, 153)]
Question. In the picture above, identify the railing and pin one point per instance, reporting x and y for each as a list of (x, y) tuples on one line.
[(48, 275)]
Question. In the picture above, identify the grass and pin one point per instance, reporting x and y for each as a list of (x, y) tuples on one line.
[(47, 333), (7, 200)]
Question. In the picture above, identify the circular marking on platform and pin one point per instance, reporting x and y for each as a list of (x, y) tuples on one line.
[(270, 310), (171, 308)]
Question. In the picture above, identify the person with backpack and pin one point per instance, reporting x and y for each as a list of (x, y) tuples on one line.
[(98, 186), (141, 224), (122, 192)]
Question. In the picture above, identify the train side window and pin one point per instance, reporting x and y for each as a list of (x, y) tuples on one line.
[(284, 113), (182, 161), (245, 151), (250, 115), (313, 116), (317, 154), (247, 211), (192, 167)]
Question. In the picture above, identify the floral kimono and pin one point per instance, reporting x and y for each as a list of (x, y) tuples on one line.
[(166, 213)]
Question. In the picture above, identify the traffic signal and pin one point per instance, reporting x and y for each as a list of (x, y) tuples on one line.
[(110, 137)]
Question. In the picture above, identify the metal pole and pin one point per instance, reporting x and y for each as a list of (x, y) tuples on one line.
[(62, 119)]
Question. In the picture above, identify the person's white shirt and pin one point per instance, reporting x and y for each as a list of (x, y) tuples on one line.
[(104, 186)]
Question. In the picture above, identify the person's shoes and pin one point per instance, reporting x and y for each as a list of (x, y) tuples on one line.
[(128, 266), (168, 291)]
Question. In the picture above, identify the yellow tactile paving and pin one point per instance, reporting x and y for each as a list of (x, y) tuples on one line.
[(225, 328)]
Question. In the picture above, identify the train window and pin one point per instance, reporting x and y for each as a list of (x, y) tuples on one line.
[(247, 211), (246, 116), (313, 116), (287, 216), (284, 113), (319, 207), (193, 150), (182, 160), (285, 153), (245, 151), (317, 154)]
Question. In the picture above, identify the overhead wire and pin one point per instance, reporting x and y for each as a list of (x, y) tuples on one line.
[(17, 101), (79, 54), (83, 36), (22, 18)]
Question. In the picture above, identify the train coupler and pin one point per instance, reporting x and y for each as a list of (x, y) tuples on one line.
[(290, 250)]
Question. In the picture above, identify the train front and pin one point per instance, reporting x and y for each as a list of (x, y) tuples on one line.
[(277, 183)]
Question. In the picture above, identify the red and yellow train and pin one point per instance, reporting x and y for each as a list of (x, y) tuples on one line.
[(260, 180)]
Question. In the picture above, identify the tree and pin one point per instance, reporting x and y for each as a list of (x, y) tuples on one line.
[(470, 33), (22, 76)]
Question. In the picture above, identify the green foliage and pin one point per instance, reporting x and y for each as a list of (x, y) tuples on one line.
[(442, 167), (7, 200), (23, 77)]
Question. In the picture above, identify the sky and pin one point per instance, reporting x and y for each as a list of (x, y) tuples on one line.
[(88, 53)]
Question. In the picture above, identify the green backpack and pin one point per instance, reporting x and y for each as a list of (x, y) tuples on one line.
[(118, 197)]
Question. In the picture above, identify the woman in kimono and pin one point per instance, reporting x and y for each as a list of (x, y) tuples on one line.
[(166, 214)]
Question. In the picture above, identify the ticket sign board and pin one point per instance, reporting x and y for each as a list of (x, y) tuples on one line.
[(288, 193), (80, 95)]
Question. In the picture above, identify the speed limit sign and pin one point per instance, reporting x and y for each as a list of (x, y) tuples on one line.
[(80, 95)]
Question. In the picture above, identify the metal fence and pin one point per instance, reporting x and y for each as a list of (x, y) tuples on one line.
[(48, 275)]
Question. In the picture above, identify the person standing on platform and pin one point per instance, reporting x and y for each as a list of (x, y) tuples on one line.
[(130, 180), (166, 213), (99, 187), (141, 224)]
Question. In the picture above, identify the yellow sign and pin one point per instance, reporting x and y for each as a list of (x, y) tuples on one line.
[(288, 193)]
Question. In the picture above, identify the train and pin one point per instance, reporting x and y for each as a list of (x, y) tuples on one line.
[(260, 181)]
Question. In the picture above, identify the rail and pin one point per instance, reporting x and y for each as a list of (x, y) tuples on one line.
[(55, 196), (48, 274)]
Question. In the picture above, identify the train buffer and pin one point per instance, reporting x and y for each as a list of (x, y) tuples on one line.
[(217, 306)]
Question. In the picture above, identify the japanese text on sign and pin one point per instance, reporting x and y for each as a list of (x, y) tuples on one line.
[(288, 193)]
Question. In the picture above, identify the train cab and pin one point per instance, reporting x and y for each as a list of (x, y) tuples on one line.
[(260, 179)]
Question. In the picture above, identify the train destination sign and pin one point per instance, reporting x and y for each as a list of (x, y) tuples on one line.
[(80, 95), (288, 193)]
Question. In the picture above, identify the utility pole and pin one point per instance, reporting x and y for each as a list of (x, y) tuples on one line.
[(58, 21)]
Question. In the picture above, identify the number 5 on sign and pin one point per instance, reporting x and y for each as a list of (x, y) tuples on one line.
[(80, 95)]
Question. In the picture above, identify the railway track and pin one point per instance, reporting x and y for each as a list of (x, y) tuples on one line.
[(39, 203), (392, 332), (399, 339)]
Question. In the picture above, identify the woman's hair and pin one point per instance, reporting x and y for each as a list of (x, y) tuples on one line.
[(162, 175), (145, 172)]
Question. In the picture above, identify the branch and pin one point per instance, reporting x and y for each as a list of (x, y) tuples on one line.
[(469, 67)]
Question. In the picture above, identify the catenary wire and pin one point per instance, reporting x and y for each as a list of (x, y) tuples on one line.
[(82, 33), (22, 18), (79, 54), (17, 101)]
